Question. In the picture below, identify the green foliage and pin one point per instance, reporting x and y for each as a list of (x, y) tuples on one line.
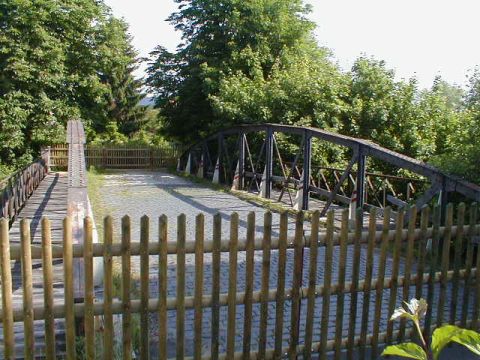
[(256, 61), (303, 88), (407, 350), (248, 39), (384, 110), (150, 132), (462, 152), (441, 337), (61, 60), (110, 136)]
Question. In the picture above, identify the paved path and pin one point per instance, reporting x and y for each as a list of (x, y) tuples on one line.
[(137, 193), (155, 193), (50, 199)]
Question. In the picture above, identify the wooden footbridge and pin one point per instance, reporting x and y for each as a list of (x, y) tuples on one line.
[(322, 291)]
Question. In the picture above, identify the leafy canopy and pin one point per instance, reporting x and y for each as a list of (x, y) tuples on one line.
[(61, 60), (248, 39)]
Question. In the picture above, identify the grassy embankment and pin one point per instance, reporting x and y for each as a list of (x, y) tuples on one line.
[(95, 182)]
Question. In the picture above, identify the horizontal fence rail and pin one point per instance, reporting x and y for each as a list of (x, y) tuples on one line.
[(120, 157), (318, 291), (18, 187)]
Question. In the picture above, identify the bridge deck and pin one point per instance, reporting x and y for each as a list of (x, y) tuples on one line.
[(50, 199)]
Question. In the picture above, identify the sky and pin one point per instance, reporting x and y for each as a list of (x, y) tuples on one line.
[(421, 38)]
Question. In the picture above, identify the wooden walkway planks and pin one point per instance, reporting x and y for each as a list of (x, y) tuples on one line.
[(50, 199)]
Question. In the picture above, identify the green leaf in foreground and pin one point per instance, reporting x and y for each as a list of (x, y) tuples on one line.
[(408, 350), (442, 336), (470, 339), (450, 333)]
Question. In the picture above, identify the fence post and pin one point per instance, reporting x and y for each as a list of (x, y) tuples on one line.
[(443, 201), (46, 156), (241, 162), (68, 286), (206, 157), (151, 159), (7, 307), (220, 158), (3, 203), (268, 162), (296, 286)]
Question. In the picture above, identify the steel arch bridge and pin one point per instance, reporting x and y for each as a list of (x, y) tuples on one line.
[(227, 157)]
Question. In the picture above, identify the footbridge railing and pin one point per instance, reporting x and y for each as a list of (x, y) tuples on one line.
[(18, 187), (228, 157)]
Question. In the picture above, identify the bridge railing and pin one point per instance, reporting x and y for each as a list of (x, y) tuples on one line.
[(253, 151), (314, 292), (18, 187), (381, 190)]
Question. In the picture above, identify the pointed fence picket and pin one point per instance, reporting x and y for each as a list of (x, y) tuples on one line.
[(350, 300)]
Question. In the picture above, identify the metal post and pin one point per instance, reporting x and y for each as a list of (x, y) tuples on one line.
[(241, 161), (205, 155), (307, 163), (361, 178), (220, 158), (443, 200), (268, 162)]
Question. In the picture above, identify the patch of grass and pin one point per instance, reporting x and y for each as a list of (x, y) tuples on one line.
[(95, 182)]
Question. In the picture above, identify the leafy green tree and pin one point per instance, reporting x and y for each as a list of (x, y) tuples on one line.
[(118, 63), (232, 38), (302, 88), (462, 151), (60, 60), (381, 109)]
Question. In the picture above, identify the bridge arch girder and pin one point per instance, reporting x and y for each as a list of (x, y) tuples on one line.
[(361, 149)]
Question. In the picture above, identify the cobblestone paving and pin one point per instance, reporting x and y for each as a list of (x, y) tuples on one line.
[(153, 194), (140, 193)]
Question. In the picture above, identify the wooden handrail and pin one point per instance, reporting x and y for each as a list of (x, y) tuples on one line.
[(18, 187)]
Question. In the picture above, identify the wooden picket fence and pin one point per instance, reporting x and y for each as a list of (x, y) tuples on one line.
[(58, 156), (398, 265), (120, 157)]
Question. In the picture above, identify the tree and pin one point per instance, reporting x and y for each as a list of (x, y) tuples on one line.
[(391, 113), (462, 152), (118, 63), (221, 39), (60, 60)]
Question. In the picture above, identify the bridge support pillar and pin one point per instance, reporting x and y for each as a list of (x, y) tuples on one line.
[(220, 158), (206, 160), (361, 169), (307, 163), (241, 161), (268, 162)]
